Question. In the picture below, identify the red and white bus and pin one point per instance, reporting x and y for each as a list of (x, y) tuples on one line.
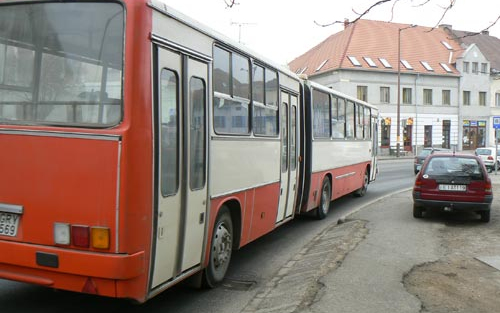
[(139, 148)]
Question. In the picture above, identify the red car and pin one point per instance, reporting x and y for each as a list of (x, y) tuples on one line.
[(453, 182)]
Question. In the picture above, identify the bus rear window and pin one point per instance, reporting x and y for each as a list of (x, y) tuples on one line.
[(61, 64)]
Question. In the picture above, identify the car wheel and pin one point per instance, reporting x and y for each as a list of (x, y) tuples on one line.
[(417, 211), (485, 216)]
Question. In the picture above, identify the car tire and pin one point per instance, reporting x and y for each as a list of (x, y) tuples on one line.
[(417, 211), (485, 216)]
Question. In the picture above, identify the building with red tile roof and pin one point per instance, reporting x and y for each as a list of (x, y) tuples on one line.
[(363, 61)]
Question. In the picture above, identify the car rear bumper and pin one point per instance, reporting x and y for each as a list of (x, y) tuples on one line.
[(454, 205)]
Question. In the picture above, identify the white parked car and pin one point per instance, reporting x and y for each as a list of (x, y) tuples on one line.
[(488, 157)]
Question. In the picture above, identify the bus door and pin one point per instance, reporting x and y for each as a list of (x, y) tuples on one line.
[(180, 166), (374, 148), (288, 132)]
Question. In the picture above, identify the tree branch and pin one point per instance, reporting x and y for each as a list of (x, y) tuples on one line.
[(230, 3), (360, 15)]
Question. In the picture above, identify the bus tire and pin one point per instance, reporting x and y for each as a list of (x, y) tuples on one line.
[(326, 196), (220, 249), (362, 191)]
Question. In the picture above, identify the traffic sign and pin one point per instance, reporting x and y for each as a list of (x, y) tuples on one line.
[(496, 122)]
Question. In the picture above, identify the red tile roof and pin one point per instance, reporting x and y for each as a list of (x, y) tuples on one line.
[(376, 40)]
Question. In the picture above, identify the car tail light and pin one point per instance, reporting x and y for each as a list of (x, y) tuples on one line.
[(418, 183), (80, 236), (487, 187)]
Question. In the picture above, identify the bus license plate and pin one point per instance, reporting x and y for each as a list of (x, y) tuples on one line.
[(453, 187), (9, 223)]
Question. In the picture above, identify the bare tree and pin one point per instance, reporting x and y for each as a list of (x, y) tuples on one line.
[(394, 3)]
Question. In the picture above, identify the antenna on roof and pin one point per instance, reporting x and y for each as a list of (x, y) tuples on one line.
[(239, 28)]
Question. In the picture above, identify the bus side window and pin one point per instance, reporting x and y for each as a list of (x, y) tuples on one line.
[(169, 146), (231, 76), (350, 120)]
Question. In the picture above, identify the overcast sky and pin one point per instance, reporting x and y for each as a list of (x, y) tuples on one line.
[(282, 30)]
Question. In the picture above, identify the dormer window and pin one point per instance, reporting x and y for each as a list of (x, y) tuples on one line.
[(370, 62), (447, 45), (321, 65), (406, 64), (385, 63), (354, 61), (446, 67), (427, 66)]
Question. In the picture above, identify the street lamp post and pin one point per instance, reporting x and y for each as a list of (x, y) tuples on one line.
[(398, 119)]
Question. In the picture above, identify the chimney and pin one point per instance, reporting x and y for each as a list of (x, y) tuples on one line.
[(485, 32), (346, 23), (446, 26)]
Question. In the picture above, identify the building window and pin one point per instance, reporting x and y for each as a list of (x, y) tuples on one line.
[(466, 97), (407, 96), (385, 95), (497, 99), (406, 64), (475, 67), (482, 98), (446, 97), (385, 63), (446, 134), (484, 68), (466, 67), (385, 132), (427, 136), (428, 96), (370, 62), (427, 66), (354, 61), (363, 93)]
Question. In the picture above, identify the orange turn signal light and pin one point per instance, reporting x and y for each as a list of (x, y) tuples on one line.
[(100, 237)]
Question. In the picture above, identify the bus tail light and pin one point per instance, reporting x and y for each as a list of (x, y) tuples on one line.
[(62, 234), (80, 236), (100, 237)]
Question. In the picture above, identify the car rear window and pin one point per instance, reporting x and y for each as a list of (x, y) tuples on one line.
[(425, 152), (483, 151), (454, 166)]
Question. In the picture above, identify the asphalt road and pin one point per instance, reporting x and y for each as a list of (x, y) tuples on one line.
[(251, 268)]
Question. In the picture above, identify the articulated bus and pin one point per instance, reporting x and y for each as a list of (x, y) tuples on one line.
[(140, 148)]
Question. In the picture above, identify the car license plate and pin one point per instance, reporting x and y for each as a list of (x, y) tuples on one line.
[(453, 187), (9, 223)]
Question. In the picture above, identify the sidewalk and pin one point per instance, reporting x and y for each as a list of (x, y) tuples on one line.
[(363, 263)]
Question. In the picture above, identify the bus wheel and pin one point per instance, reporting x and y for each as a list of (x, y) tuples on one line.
[(220, 249), (326, 196), (362, 191)]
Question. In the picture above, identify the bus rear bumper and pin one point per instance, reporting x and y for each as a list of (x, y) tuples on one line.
[(68, 269)]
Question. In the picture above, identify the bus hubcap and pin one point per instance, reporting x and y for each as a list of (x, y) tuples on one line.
[(222, 245)]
